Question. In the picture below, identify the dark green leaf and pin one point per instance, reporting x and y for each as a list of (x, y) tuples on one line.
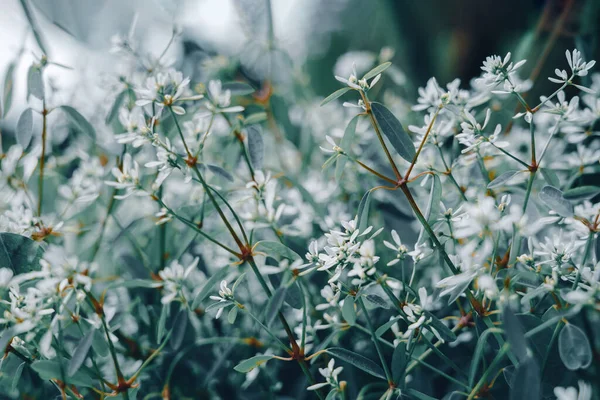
[(443, 330), (393, 130), (526, 382), (19, 253), (274, 305), (514, 333), (377, 301), (554, 199), (179, 327), (24, 130), (50, 369), (79, 121), (384, 328), (162, 321), (348, 310), (271, 248), (574, 348), (479, 352), (358, 361), (251, 363), (80, 353), (17, 376), (399, 362), (418, 395), (338, 93), (377, 70), (99, 343), (256, 146), (581, 193), (209, 286)]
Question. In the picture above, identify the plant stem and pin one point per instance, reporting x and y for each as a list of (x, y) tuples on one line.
[(388, 375), (42, 157), (414, 161)]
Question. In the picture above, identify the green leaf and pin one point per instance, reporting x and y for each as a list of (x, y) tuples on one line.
[(384, 328), (256, 146), (179, 327), (6, 337), (238, 88), (550, 177), (35, 83), (362, 216), (526, 381), (393, 130), (399, 362), (348, 310), (335, 95), (574, 348), (358, 361), (209, 286), (445, 332), (7, 90), (251, 363), (50, 369), (80, 353), (377, 70), (274, 305), (345, 144), (17, 376), (555, 200), (478, 353), (433, 205), (581, 193), (515, 334), (162, 321), (215, 169), (114, 110), (501, 179), (232, 315), (19, 253), (418, 395), (271, 248), (99, 343), (377, 301), (24, 130), (79, 121), (255, 118)]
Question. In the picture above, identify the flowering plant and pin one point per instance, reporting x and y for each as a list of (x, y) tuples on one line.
[(457, 258)]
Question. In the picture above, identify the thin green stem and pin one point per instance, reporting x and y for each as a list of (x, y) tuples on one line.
[(386, 370)]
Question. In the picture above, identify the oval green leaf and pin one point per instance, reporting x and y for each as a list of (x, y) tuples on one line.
[(393, 130), (358, 361)]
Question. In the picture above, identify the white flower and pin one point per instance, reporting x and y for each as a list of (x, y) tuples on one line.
[(225, 296), (570, 393), (400, 249), (577, 64), (174, 277), (221, 99), (497, 70), (334, 147), (330, 374), (128, 178)]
